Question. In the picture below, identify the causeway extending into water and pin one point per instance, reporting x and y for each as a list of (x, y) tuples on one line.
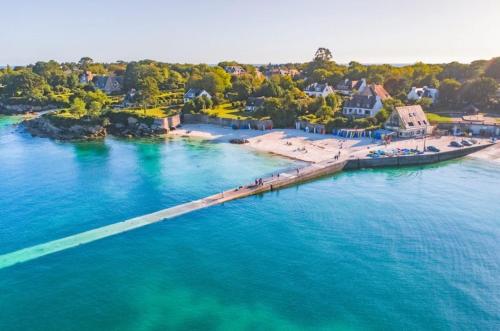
[(284, 179)]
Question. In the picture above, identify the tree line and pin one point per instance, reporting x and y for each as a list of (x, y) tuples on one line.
[(162, 84)]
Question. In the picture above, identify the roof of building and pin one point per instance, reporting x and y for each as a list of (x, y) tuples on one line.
[(100, 81), (375, 90), (117, 79), (195, 92), (412, 117), (316, 87), (361, 101), (356, 84), (350, 85), (255, 102), (424, 92), (234, 69)]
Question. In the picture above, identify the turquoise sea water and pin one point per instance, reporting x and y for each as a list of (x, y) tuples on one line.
[(411, 248)]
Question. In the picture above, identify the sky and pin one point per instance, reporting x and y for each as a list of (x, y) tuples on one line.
[(251, 31)]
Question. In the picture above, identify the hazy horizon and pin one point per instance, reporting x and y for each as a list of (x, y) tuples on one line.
[(279, 31)]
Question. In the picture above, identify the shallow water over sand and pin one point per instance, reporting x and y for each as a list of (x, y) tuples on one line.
[(410, 248)]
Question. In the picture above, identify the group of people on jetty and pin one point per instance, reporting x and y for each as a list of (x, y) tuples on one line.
[(259, 182)]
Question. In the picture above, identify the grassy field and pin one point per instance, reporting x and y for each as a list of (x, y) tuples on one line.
[(437, 118), (226, 110)]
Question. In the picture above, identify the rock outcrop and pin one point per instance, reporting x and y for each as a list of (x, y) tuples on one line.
[(83, 129), (134, 128), (43, 127)]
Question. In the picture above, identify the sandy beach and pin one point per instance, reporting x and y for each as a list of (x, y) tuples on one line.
[(310, 147)]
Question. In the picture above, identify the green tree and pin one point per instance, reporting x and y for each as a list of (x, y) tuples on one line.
[(325, 113), (458, 71), (449, 93), (493, 68), (323, 55), (98, 96), (26, 84), (479, 91), (242, 89), (280, 116), (147, 91), (382, 115), (425, 103), (333, 101), (95, 109), (356, 70), (137, 72), (319, 75), (270, 89), (188, 107), (77, 107), (213, 80), (85, 62)]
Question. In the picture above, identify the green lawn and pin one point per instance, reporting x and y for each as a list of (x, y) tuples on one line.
[(437, 118), (226, 110)]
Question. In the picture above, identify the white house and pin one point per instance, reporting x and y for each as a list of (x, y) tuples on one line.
[(362, 106), (235, 70), (408, 121), (367, 103), (318, 90), (417, 93), (86, 77), (194, 93), (254, 104), (348, 87)]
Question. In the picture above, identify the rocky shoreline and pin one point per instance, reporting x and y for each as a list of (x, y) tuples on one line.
[(135, 128), (43, 127), (87, 130)]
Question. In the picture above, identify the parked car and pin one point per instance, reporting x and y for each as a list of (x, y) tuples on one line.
[(455, 144), (466, 143), (433, 149)]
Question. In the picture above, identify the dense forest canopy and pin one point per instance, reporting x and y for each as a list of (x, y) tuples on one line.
[(149, 83)]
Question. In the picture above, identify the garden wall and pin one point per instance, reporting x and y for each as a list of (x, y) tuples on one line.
[(234, 123)]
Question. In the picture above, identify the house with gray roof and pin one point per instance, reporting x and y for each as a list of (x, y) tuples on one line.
[(109, 84), (417, 93), (254, 104), (194, 93), (367, 102), (362, 106), (318, 90), (235, 70), (349, 87)]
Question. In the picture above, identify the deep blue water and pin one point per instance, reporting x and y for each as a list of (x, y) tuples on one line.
[(411, 248)]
